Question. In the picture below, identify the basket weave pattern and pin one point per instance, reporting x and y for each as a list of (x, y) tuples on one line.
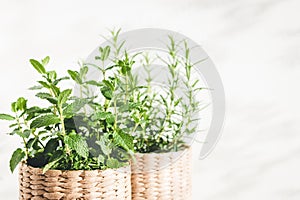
[(110, 184), (165, 176)]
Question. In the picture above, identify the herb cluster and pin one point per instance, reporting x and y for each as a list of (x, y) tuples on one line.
[(162, 121), (103, 130), (64, 135)]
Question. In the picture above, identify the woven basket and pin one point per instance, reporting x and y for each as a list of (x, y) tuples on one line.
[(164, 176), (110, 184)]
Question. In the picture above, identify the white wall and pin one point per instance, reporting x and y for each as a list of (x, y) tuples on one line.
[(255, 45)]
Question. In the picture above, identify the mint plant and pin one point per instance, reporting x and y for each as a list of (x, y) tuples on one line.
[(63, 135)]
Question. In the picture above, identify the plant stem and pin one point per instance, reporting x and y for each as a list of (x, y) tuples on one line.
[(24, 141), (62, 121)]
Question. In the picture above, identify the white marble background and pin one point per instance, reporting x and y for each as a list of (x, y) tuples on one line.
[(255, 45)]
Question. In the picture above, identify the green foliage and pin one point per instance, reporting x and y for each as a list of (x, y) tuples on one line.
[(6, 117), (161, 121), (63, 135), (75, 76), (101, 131), (124, 140), (63, 97), (17, 156), (44, 121), (77, 143), (38, 66)]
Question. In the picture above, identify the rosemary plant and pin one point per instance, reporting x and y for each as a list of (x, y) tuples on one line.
[(166, 119)]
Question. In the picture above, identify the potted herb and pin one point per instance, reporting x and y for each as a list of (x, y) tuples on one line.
[(72, 147), (164, 123)]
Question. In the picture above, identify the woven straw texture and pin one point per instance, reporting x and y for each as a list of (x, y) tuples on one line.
[(165, 176), (110, 184)]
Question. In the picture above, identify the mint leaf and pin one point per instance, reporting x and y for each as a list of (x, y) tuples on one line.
[(44, 84), (6, 117), (51, 145), (113, 163), (71, 109), (45, 120), (38, 66), (21, 103), (100, 159), (51, 164), (75, 76), (123, 140), (104, 145), (16, 158), (63, 96), (36, 87), (100, 115), (24, 134), (52, 75), (78, 144), (47, 96), (46, 60)]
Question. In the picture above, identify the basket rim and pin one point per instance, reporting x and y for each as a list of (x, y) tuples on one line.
[(186, 148), (124, 168)]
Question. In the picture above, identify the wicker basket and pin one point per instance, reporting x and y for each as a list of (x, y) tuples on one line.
[(164, 176), (110, 184)]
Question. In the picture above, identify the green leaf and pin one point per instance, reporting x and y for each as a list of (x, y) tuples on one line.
[(93, 82), (83, 71), (104, 52), (36, 87), (45, 120), (60, 79), (100, 159), (51, 164), (77, 143), (36, 144), (31, 142), (110, 118), (38, 66), (55, 90), (14, 107), (52, 75), (16, 158), (63, 97), (36, 109), (51, 145), (177, 102), (113, 163), (6, 117), (107, 92), (24, 134), (44, 84), (21, 104), (124, 140), (71, 109), (13, 125), (99, 115), (75, 76), (46, 60), (47, 96), (108, 84), (104, 145)]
